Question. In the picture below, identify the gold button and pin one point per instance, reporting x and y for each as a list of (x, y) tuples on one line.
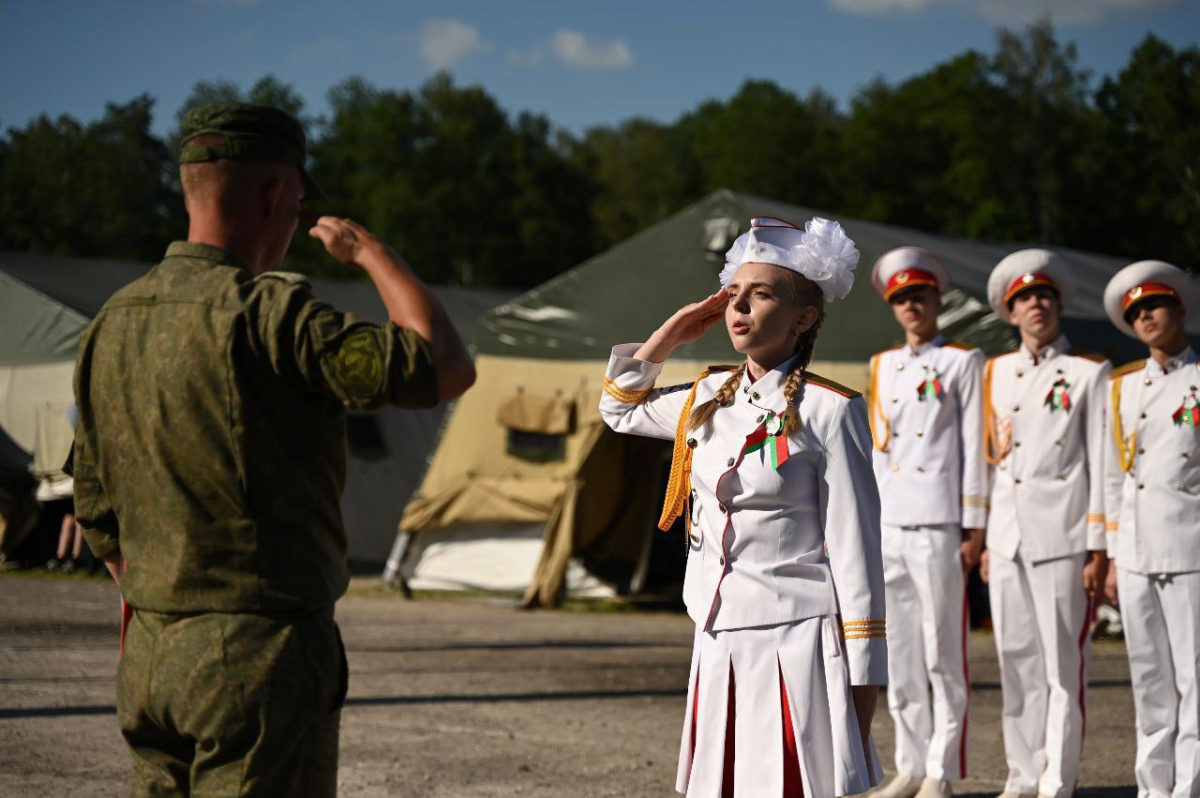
[(1140, 486), (1058, 443), (691, 443), (1141, 451), (1016, 408), (895, 398), (1143, 415), (920, 432), (746, 389), (1020, 373), (731, 462), (920, 470), (1180, 487), (1016, 443), (722, 560), (899, 367), (694, 538), (1016, 481), (1062, 477), (756, 396), (895, 467), (760, 418), (1146, 381), (722, 508)]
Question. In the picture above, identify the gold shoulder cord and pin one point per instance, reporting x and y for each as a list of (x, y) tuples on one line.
[(679, 482), (991, 448), (875, 414), (1126, 449)]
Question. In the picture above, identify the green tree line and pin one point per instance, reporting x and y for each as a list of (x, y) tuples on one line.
[(1017, 145)]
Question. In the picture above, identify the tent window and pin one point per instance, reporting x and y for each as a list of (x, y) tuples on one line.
[(537, 447), (365, 438)]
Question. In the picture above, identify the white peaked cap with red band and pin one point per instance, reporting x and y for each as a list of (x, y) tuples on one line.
[(907, 267), (1144, 280), (1025, 270), (822, 252)]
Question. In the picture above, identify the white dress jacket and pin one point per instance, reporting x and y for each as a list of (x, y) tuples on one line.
[(1045, 429), (770, 547), (1153, 506), (927, 414)]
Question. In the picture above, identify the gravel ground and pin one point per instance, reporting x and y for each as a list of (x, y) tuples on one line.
[(456, 697)]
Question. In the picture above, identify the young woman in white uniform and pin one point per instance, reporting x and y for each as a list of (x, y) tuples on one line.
[(773, 472)]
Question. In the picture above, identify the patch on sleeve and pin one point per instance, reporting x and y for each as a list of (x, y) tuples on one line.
[(357, 365)]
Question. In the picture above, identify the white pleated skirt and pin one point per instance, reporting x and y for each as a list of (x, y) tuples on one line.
[(806, 659)]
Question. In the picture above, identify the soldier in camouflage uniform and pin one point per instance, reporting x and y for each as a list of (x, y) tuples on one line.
[(210, 457)]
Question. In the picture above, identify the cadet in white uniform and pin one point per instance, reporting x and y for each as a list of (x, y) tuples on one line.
[(1045, 564), (926, 412), (1153, 513), (784, 578)]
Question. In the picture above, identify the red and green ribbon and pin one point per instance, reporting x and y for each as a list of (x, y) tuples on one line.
[(769, 436), (1058, 398), (931, 388), (1188, 412)]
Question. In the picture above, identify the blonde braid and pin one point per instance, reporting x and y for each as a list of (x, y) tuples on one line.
[(722, 398), (805, 346), (791, 419)]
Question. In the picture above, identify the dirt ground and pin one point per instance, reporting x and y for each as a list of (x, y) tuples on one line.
[(457, 697)]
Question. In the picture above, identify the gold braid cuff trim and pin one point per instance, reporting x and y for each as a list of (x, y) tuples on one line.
[(857, 626), (971, 500), (863, 635), (624, 395), (679, 482), (1110, 526), (1095, 518)]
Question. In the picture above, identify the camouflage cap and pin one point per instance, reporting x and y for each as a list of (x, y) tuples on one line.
[(251, 132)]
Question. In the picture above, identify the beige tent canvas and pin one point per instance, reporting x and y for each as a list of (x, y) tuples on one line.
[(46, 302), (528, 491)]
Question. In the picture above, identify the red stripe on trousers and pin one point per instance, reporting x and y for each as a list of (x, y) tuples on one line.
[(1088, 616), (966, 628)]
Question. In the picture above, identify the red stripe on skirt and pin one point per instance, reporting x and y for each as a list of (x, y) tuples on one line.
[(792, 786), (730, 734)]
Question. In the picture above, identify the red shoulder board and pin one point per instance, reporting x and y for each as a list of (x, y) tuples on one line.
[(1095, 357), (842, 390), (1128, 368), (963, 345)]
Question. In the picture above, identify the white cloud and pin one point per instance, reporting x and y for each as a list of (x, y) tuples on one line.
[(531, 57), (1062, 12), (445, 42), (574, 49)]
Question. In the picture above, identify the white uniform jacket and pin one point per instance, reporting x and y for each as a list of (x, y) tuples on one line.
[(926, 411), (1153, 508), (1044, 422), (770, 547)]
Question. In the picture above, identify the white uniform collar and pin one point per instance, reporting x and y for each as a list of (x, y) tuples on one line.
[(1185, 358), (766, 392), (1059, 346), (936, 341)]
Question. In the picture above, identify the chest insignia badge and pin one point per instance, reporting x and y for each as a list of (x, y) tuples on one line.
[(931, 387), (1188, 413), (1059, 397), (769, 436)]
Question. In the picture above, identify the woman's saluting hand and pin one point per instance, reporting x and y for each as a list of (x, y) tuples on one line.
[(687, 325)]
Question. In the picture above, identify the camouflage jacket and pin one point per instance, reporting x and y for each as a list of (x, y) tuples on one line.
[(210, 446)]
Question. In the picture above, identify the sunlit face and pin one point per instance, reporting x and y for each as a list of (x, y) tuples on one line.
[(916, 309), (1158, 322), (1036, 312), (764, 317)]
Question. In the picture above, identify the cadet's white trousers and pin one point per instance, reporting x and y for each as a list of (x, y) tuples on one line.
[(1161, 616), (926, 631), (1043, 623)]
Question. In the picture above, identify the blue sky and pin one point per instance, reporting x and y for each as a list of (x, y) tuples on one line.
[(581, 64)]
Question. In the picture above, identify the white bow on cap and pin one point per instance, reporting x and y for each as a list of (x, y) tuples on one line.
[(822, 252)]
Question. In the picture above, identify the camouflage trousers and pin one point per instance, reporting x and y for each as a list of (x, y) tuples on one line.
[(231, 704)]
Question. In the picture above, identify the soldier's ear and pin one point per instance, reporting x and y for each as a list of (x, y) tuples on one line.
[(271, 197)]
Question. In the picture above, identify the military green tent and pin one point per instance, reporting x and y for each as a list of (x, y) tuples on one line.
[(46, 302), (529, 491)]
